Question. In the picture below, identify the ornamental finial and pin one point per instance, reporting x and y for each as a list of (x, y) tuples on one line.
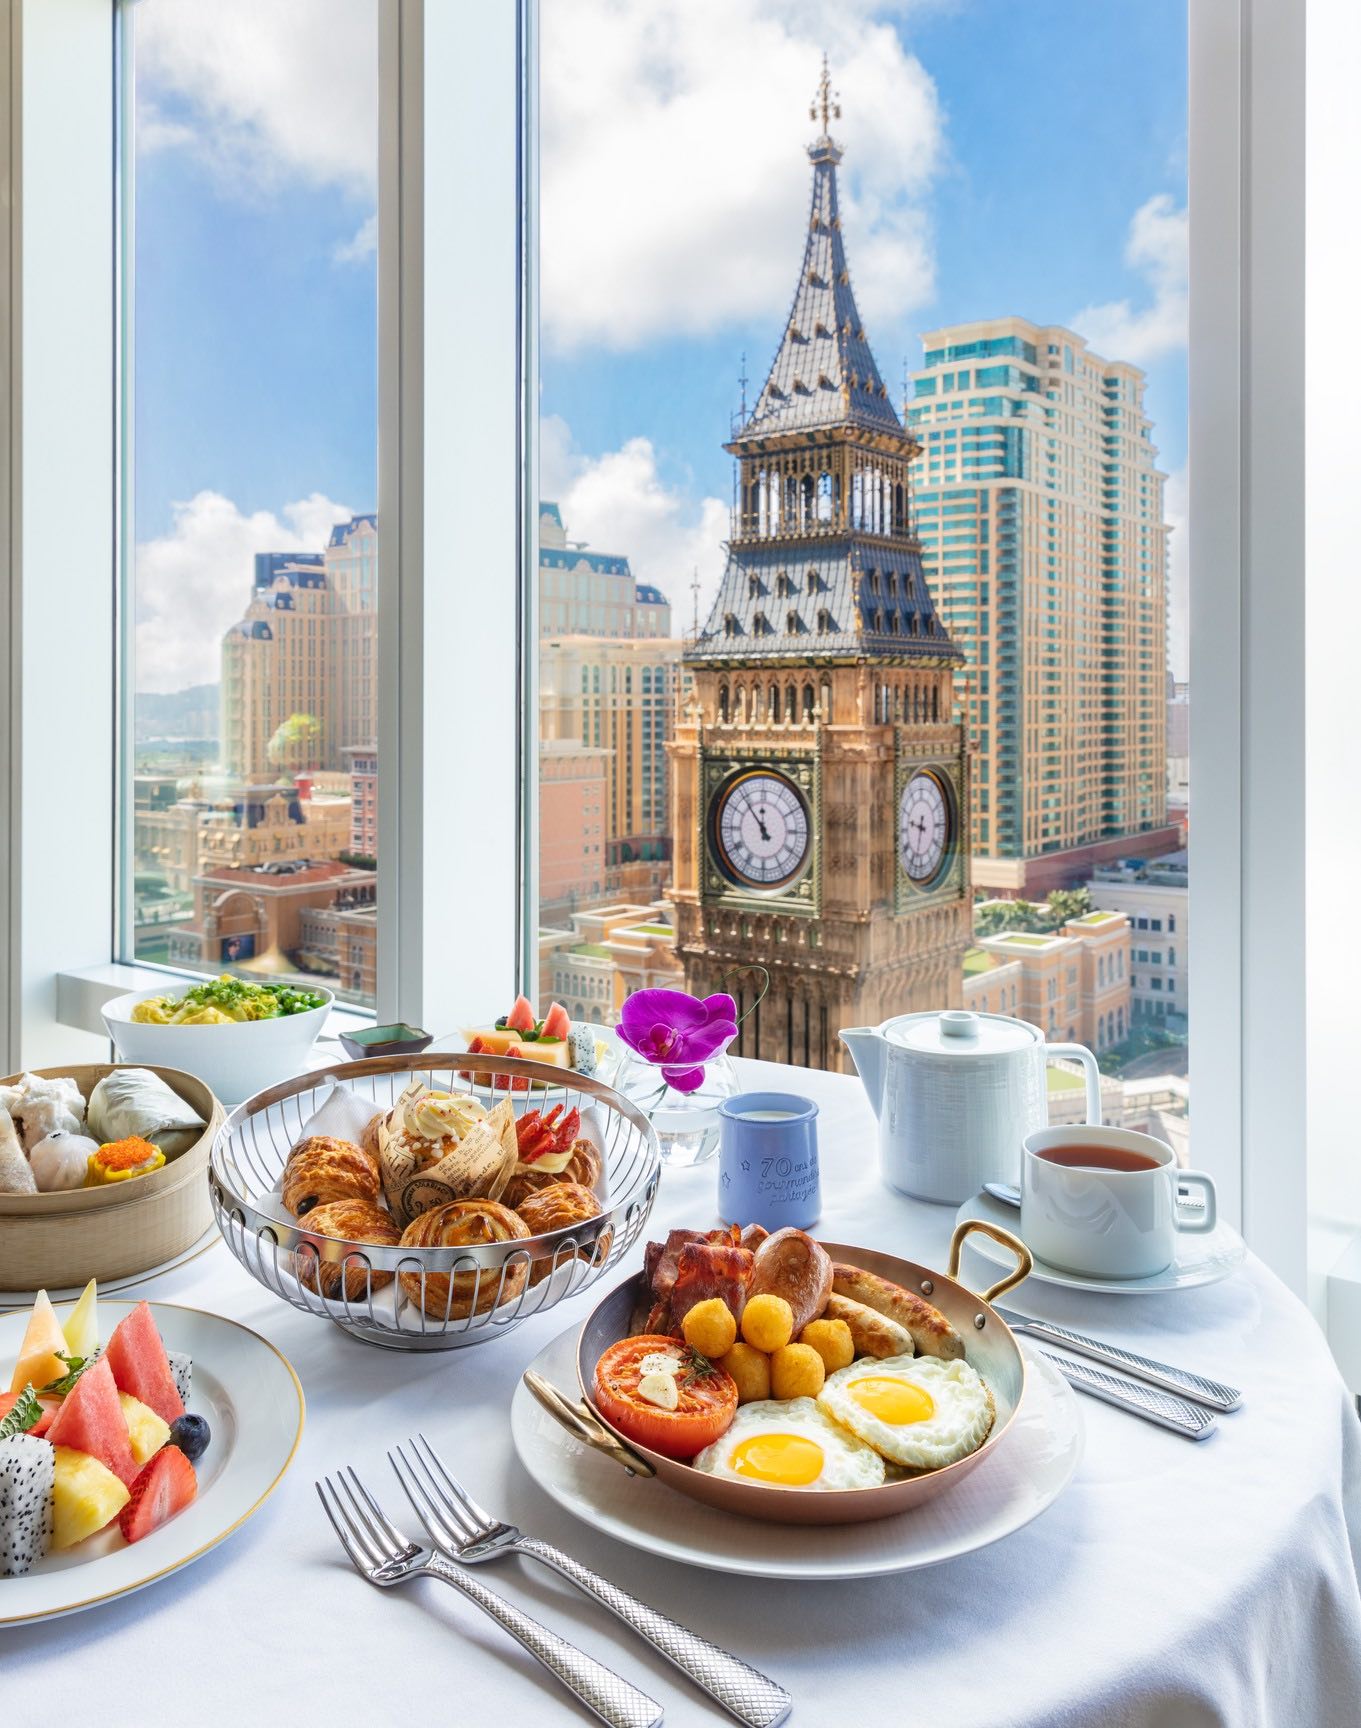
[(824, 105)]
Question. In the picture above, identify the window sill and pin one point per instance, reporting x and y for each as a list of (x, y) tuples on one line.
[(81, 995)]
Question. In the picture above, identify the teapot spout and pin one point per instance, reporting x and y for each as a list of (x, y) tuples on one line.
[(866, 1045)]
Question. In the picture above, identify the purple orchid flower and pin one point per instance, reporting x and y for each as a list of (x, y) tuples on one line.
[(677, 1032)]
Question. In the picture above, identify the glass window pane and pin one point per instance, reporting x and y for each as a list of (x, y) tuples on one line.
[(251, 544), (796, 431)]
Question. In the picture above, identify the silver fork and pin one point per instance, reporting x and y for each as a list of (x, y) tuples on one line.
[(380, 1553), (456, 1523)]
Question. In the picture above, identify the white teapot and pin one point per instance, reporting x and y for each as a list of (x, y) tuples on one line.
[(955, 1094)]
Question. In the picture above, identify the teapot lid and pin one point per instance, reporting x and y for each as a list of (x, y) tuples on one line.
[(958, 1032)]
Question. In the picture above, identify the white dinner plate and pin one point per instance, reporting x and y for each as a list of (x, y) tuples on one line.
[(1201, 1259), (1016, 1484), (129, 1281), (254, 1406)]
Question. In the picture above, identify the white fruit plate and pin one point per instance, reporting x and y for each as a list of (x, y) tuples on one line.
[(254, 1405)]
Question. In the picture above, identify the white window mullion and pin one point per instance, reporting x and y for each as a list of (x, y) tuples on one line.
[(450, 510)]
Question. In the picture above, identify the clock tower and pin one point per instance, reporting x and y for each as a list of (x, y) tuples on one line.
[(821, 776)]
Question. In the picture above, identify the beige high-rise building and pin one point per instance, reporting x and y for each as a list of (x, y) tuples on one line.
[(1040, 512), (618, 696), (299, 672)]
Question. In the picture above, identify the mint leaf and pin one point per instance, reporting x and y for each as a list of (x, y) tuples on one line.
[(26, 1414), (77, 1366)]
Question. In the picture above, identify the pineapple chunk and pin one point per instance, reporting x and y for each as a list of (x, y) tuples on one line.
[(147, 1432), (81, 1326), (85, 1497)]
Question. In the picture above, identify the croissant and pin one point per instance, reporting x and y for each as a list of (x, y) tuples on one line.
[(555, 1208), (584, 1167), (322, 1168), (465, 1224), (347, 1221)]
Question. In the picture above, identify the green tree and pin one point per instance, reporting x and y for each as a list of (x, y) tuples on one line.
[(1066, 903)]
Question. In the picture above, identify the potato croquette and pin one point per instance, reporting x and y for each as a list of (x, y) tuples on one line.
[(750, 1369), (767, 1322), (710, 1328), (796, 1371), (833, 1342)]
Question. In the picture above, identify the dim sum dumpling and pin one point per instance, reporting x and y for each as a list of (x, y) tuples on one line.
[(135, 1101), (61, 1161), (15, 1175), (47, 1112)]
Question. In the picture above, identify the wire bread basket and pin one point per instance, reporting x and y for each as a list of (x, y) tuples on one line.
[(428, 1298)]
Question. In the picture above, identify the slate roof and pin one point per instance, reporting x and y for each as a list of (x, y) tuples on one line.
[(342, 530), (607, 563), (824, 374), (648, 595), (836, 598)]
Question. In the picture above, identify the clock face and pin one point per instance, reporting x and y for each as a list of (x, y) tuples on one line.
[(923, 827), (761, 829)]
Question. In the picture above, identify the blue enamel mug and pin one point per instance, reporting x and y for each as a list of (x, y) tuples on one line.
[(768, 1160)]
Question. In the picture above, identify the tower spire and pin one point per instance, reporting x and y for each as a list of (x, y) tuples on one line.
[(825, 104)]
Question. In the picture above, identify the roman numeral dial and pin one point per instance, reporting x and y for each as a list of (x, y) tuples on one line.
[(924, 827), (759, 829)]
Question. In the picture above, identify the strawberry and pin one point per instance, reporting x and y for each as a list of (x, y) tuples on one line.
[(164, 1487), (512, 1082)]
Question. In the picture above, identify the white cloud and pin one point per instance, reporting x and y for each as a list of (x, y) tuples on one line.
[(195, 581), (1177, 511), (672, 171), (1157, 247), (271, 91), (362, 245), (619, 502)]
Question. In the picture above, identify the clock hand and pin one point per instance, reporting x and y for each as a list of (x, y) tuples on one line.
[(759, 815)]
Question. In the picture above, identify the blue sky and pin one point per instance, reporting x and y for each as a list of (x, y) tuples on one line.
[(998, 155)]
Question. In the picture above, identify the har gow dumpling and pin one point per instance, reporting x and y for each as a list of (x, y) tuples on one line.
[(48, 1107), (61, 1161), (15, 1175), (134, 1101)]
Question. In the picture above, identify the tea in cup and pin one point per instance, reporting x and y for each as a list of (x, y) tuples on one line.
[(1103, 1202)]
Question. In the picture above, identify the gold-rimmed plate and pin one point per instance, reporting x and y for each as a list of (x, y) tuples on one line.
[(253, 1403)]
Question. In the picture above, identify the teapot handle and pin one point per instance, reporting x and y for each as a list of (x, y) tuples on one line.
[(1090, 1072)]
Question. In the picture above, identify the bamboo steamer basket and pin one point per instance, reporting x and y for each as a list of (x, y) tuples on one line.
[(52, 1240)]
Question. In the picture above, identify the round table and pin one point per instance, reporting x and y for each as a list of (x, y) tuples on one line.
[(1172, 1584)]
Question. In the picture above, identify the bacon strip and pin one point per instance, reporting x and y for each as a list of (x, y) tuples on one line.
[(707, 1269)]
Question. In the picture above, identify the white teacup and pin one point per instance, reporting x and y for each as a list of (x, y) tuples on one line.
[(1106, 1222)]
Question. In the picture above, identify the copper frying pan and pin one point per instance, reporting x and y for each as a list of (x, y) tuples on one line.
[(990, 1347)]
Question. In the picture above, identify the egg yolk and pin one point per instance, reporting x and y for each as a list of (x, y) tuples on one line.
[(786, 1459), (897, 1402)]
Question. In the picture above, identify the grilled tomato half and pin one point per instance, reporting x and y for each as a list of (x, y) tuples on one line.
[(633, 1381)]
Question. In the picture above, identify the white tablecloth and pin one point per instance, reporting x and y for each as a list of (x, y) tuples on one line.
[(1172, 1584)]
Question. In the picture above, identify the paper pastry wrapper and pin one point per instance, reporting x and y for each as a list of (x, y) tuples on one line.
[(478, 1166)]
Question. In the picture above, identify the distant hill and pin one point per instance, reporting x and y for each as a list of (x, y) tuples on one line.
[(191, 713)]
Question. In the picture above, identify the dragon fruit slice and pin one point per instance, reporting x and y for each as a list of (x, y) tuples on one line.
[(182, 1369), (581, 1045), (27, 1471)]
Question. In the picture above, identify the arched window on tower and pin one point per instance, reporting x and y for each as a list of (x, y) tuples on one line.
[(899, 510), (730, 624), (806, 491), (773, 709), (792, 623), (814, 582), (935, 702), (723, 703), (808, 702), (825, 625), (824, 496), (791, 704)]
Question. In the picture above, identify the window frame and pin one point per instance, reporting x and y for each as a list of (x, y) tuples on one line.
[(1247, 647)]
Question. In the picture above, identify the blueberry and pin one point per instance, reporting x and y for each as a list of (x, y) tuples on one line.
[(191, 1434)]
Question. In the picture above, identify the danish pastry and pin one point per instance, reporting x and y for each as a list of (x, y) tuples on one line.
[(555, 1208), (465, 1224), (321, 1168), (368, 1134), (347, 1221), (583, 1167)]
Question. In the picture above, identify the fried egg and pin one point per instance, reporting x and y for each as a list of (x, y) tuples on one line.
[(789, 1443), (913, 1410)]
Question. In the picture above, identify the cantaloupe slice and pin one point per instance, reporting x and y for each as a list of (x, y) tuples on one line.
[(40, 1354), (81, 1326)]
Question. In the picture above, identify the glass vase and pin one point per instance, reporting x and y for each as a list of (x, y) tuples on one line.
[(686, 1123)]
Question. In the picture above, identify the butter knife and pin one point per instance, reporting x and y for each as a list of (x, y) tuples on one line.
[(1171, 1379), (1191, 1421)]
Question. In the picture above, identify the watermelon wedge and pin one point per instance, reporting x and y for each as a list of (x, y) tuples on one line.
[(91, 1420), (139, 1363), (556, 1024), (521, 1016), (9, 1399)]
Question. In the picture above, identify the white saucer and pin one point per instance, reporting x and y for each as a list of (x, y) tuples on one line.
[(1023, 1477), (1200, 1259)]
